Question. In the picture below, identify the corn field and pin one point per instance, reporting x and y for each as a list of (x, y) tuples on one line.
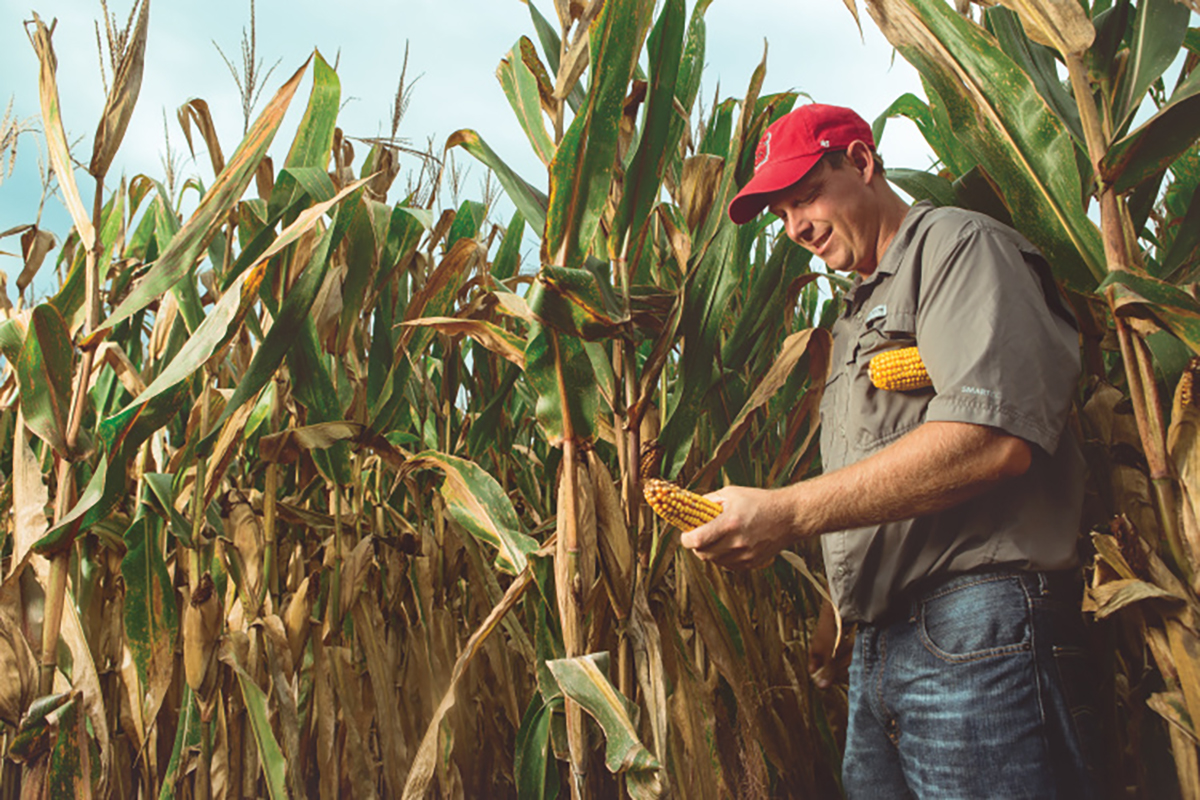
[(310, 493)]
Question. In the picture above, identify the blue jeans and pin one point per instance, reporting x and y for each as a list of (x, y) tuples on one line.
[(974, 690)]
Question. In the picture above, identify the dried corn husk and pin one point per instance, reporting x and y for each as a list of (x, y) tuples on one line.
[(18, 671), (297, 619), (201, 633)]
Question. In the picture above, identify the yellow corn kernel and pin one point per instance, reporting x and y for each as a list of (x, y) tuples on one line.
[(679, 507), (899, 370)]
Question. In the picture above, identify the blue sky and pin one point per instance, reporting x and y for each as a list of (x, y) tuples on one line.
[(455, 45)]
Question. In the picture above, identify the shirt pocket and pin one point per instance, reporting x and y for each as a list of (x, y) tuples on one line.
[(879, 417)]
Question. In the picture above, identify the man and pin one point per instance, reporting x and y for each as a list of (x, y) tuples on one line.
[(948, 514)]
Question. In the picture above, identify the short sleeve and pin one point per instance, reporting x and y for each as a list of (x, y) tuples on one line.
[(997, 353)]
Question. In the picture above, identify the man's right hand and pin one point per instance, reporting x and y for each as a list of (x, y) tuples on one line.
[(825, 666)]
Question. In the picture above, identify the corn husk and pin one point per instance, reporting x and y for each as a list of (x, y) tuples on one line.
[(18, 671), (201, 634)]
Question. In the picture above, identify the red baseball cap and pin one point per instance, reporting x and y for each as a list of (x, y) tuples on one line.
[(791, 147)]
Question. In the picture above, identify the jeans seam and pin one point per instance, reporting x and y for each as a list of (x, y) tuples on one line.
[(881, 671)]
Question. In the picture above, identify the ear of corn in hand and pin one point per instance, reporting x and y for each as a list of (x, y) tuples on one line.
[(679, 507), (899, 370)]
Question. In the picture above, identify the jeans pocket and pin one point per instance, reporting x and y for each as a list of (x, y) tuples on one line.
[(973, 619)]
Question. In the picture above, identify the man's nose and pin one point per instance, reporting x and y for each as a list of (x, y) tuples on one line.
[(796, 226)]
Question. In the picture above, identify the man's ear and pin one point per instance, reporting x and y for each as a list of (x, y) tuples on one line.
[(860, 156)]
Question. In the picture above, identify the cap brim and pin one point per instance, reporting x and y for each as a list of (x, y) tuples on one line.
[(771, 178)]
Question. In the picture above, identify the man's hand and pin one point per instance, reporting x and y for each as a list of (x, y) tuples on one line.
[(753, 526)]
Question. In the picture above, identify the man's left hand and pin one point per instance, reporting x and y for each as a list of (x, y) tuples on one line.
[(753, 526)]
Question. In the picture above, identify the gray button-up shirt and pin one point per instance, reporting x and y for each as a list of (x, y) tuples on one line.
[(1003, 351)]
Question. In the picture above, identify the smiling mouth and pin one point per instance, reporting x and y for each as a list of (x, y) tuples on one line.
[(818, 245)]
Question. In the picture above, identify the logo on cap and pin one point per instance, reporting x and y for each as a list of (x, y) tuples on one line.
[(763, 152)]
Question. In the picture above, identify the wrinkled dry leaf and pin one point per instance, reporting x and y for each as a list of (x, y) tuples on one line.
[(1061, 24), (35, 244)]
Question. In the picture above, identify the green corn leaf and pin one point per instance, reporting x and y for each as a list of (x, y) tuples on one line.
[(1185, 249), (813, 342), (151, 618), (466, 222), (436, 299), (12, 339), (316, 187), (533, 767), (975, 189), (187, 734), (521, 87), (582, 396), (913, 108), (1158, 142), (274, 765), (166, 227), (480, 506), (771, 295), (313, 386), (66, 777), (1039, 63), (44, 372), (576, 302), (179, 257), (404, 233), (996, 111), (1177, 310), (583, 679), (1159, 28), (706, 297), (297, 304), (224, 319), (529, 200), (314, 137), (581, 173), (162, 500), (508, 257), (661, 132), (122, 435), (364, 245), (923, 185)]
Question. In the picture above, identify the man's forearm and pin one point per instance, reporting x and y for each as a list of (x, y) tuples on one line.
[(936, 466)]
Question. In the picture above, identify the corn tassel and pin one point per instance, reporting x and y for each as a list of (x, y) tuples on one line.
[(899, 370), (679, 507)]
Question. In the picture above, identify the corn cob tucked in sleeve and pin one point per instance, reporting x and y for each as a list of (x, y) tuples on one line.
[(899, 370), (679, 507)]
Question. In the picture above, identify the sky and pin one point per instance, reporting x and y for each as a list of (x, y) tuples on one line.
[(814, 47)]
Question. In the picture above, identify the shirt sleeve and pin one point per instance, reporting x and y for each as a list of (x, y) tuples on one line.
[(996, 352)]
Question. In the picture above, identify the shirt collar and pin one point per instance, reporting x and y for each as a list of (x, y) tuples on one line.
[(895, 252)]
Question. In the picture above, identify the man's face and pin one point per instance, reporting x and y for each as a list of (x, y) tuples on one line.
[(832, 213)]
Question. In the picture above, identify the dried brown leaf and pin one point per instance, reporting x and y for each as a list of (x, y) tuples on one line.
[(1112, 596), (196, 111), (18, 665), (35, 244), (113, 355), (118, 106), (30, 499), (701, 179)]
